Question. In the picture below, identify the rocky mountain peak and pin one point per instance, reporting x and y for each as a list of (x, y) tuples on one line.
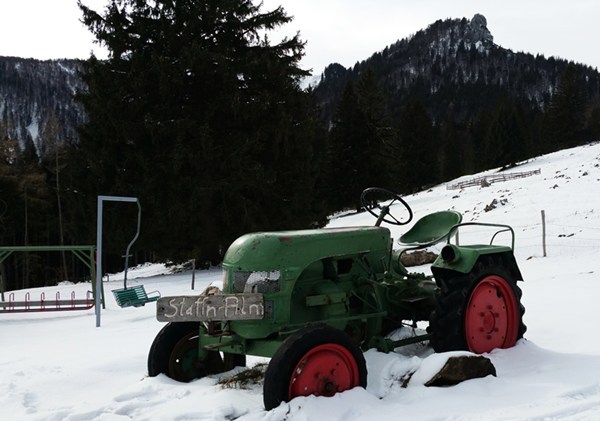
[(449, 65), (477, 31)]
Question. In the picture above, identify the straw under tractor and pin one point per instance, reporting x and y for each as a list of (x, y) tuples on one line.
[(313, 300)]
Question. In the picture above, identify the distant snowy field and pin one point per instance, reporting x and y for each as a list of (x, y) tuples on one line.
[(59, 366)]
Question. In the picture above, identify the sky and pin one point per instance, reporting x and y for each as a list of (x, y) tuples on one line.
[(342, 31), (60, 367)]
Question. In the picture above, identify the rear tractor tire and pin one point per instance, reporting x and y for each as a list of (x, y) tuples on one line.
[(316, 360), (174, 352), (479, 311)]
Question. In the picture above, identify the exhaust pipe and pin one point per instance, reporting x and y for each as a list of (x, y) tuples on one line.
[(450, 253)]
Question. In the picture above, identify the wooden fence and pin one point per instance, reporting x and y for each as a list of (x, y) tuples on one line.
[(486, 180)]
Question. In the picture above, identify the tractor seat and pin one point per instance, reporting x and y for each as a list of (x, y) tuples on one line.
[(430, 229)]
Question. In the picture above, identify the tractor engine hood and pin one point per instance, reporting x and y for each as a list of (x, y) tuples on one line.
[(292, 251)]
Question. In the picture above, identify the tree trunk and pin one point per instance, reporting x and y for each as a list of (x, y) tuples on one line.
[(25, 283), (60, 223)]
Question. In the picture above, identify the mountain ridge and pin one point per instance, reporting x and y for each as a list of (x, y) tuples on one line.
[(452, 65), (447, 61)]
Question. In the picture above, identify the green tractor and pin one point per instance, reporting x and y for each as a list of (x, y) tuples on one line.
[(313, 300)]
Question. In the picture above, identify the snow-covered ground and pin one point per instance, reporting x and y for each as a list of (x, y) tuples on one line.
[(59, 366)]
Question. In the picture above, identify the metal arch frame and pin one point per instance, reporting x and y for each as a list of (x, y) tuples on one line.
[(101, 200), (84, 253)]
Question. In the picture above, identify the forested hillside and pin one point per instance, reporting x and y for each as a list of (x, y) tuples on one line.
[(37, 107), (471, 104), (201, 117)]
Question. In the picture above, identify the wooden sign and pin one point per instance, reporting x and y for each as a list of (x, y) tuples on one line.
[(202, 308)]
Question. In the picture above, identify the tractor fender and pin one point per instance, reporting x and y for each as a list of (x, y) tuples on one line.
[(463, 258)]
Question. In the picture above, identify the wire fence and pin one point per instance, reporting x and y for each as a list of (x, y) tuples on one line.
[(557, 236)]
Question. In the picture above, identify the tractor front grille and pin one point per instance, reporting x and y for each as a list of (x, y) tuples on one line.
[(258, 282)]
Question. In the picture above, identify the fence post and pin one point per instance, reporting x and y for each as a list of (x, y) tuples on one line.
[(544, 232), (193, 273)]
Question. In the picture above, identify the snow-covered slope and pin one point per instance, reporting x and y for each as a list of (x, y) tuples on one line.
[(59, 366)]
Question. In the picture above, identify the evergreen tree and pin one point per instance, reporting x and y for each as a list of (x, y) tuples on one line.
[(593, 122), (453, 151), (469, 149), (419, 164), (567, 110), (360, 152), (54, 163), (24, 206), (478, 129), (506, 140), (347, 159), (9, 196), (380, 154), (196, 113)]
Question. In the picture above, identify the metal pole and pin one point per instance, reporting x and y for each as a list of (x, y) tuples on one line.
[(98, 259), (137, 234), (193, 273), (544, 232), (101, 200)]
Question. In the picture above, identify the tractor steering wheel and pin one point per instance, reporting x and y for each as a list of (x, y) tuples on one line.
[(384, 214)]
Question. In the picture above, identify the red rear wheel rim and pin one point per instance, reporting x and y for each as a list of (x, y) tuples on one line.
[(492, 316), (324, 371)]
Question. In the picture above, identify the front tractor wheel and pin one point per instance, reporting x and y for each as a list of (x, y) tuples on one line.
[(174, 352), (317, 360), (478, 312)]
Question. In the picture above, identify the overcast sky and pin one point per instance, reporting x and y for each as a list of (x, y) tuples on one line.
[(343, 31)]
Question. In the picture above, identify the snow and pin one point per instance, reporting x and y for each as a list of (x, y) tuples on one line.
[(59, 366), (34, 127)]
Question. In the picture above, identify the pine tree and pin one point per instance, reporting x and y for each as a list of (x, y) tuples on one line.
[(8, 187), (201, 117), (567, 110), (593, 122), (56, 151), (506, 140), (9, 199), (348, 169), (380, 154), (419, 164), (30, 211), (360, 152), (453, 151)]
